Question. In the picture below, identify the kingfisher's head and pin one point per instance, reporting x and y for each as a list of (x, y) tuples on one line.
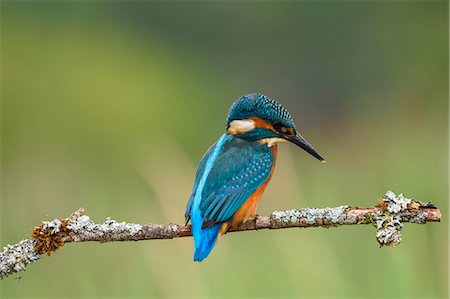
[(255, 117)]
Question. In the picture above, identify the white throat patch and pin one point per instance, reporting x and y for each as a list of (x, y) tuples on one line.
[(241, 126)]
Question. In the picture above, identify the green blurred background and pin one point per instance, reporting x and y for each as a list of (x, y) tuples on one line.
[(110, 105)]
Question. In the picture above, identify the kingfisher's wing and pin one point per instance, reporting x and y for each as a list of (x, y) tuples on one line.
[(198, 176), (240, 169)]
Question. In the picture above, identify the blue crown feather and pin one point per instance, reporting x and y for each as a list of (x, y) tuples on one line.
[(261, 106)]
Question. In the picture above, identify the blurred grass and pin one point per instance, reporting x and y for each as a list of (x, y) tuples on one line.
[(110, 106)]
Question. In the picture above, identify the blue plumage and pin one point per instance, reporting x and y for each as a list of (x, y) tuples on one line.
[(232, 175), (204, 241), (238, 171), (228, 174), (259, 105)]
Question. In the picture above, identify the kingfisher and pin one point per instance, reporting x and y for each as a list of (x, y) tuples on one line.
[(235, 171)]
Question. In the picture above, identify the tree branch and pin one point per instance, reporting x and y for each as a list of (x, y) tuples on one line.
[(51, 235)]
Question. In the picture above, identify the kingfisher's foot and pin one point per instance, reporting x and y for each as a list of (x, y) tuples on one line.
[(252, 217), (255, 220)]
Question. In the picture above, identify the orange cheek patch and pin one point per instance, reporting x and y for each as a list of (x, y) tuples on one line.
[(261, 123), (291, 131)]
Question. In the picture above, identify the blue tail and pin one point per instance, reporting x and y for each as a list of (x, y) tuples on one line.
[(204, 241)]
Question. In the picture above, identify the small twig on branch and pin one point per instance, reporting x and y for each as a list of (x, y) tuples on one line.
[(51, 235)]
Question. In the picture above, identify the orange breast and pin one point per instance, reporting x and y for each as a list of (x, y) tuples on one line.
[(248, 210)]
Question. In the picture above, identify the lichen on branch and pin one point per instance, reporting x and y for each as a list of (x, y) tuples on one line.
[(49, 236), (389, 217), (15, 258)]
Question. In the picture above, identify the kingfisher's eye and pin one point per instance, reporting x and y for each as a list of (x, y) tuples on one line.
[(280, 128)]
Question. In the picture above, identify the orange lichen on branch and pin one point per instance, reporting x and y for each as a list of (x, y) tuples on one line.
[(387, 217), (49, 236)]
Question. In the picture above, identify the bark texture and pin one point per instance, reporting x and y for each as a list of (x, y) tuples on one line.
[(387, 217)]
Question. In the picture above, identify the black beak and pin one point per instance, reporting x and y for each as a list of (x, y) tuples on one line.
[(301, 142)]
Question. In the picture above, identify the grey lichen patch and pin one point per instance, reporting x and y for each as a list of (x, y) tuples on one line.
[(334, 215), (160, 231), (286, 217), (110, 225), (174, 229), (388, 228), (419, 218), (395, 204), (54, 226), (83, 227), (15, 258), (387, 220), (309, 217), (81, 223)]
